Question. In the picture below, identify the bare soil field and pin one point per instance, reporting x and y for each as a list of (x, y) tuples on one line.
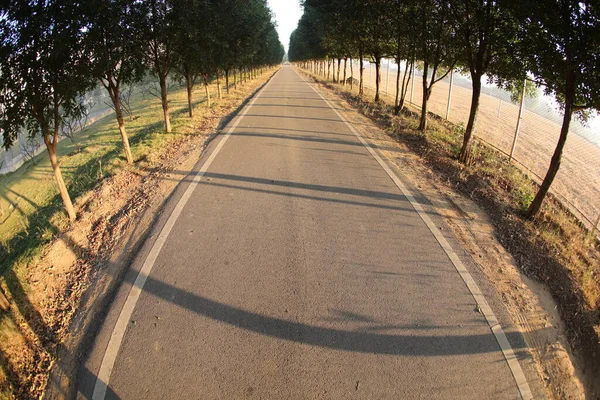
[(578, 180)]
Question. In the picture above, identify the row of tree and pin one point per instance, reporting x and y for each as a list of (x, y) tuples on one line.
[(555, 41), (54, 51)]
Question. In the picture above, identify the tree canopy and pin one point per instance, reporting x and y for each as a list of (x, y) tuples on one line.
[(555, 41), (52, 52), (43, 71)]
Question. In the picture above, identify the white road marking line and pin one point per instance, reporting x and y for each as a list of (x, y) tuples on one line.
[(507, 350), (118, 333)]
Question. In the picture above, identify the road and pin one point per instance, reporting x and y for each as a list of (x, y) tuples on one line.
[(292, 265)]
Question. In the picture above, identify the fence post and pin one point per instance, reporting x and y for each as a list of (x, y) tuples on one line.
[(412, 90), (387, 79), (449, 95), (514, 145)]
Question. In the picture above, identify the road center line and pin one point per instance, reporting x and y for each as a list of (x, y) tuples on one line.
[(112, 350), (505, 347)]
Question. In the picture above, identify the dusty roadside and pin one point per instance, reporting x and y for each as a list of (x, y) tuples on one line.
[(72, 282), (529, 303)]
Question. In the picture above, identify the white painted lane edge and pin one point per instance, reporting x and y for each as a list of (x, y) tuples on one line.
[(114, 344), (505, 347)]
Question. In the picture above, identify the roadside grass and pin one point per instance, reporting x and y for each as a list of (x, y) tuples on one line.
[(32, 217), (554, 248), (32, 209)]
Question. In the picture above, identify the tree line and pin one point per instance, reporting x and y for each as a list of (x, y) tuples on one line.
[(54, 51), (554, 42)]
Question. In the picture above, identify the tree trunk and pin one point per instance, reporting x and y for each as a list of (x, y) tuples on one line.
[(465, 151), (206, 89), (536, 204), (113, 92), (227, 80), (189, 86), (406, 78), (219, 94), (351, 75), (360, 83), (333, 70), (338, 69), (165, 102), (377, 77), (397, 106), (123, 132), (345, 66), (235, 79), (423, 121), (62, 188)]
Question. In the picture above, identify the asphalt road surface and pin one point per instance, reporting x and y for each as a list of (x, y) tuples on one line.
[(294, 267)]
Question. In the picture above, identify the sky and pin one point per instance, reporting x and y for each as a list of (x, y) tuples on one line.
[(287, 13)]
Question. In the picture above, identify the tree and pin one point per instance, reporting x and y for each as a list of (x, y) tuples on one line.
[(115, 42), (560, 42), (434, 44), (485, 34), (43, 70), (378, 39), (306, 42), (159, 29), (190, 43), (404, 43)]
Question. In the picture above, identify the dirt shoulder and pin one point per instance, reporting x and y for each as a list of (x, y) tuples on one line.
[(530, 303), (64, 294)]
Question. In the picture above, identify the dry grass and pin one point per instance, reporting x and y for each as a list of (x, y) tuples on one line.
[(554, 248), (577, 180)]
